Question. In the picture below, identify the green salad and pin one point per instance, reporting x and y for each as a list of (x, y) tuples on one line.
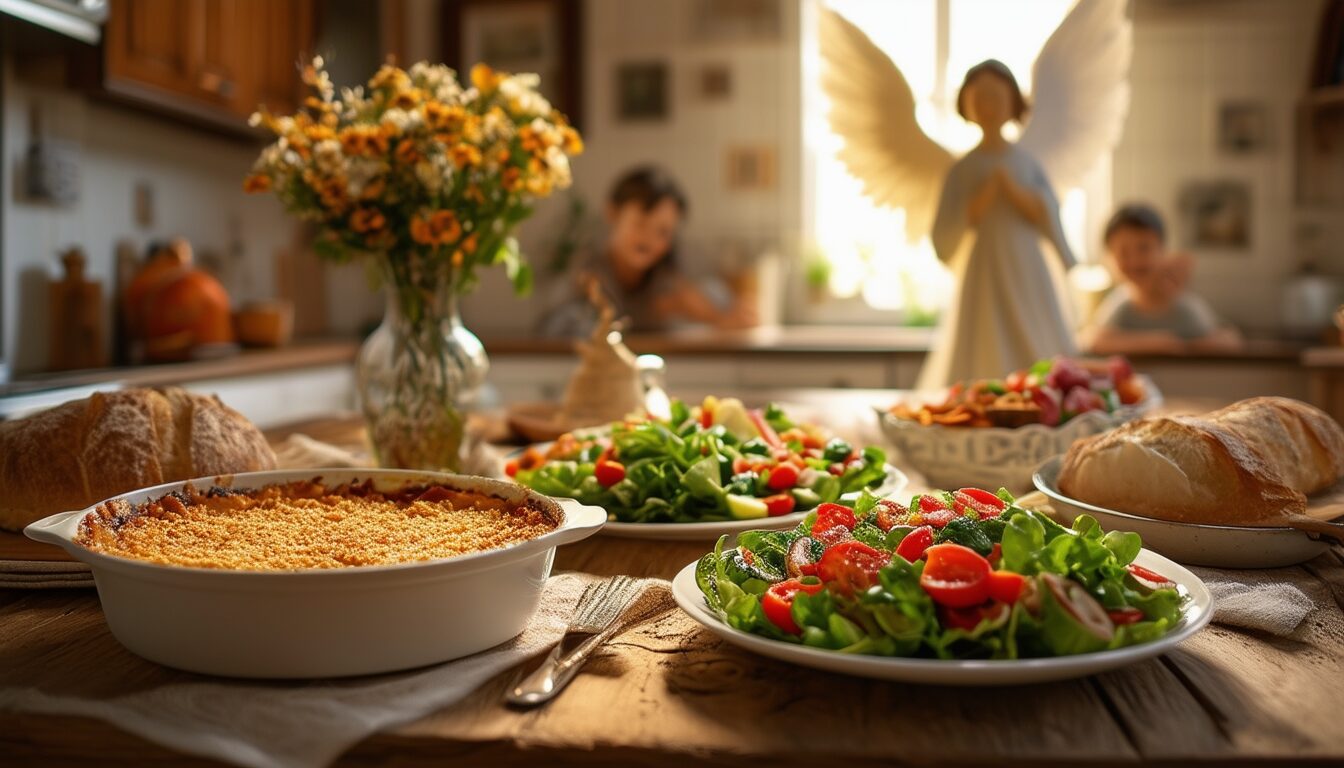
[(961, 575), (715, 461)]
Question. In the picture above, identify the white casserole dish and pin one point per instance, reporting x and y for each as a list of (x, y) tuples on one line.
[(324, 622)]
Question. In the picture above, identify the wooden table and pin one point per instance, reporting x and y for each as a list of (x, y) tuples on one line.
[(669, 693)]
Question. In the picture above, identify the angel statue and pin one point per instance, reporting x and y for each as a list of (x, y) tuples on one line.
[(997, 203)]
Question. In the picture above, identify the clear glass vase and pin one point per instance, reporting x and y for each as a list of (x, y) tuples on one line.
[(419, 373)]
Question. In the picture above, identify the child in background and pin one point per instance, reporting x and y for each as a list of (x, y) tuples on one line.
[(637, 267), (1151, 311)]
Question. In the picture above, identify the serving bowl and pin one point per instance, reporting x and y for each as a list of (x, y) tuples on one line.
[(1220, 546), (993, 457), (324, 622)]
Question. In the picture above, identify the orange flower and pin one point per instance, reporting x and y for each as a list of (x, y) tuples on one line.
[(373, 189), (363, 140), (257, 182), (332, 192), (511, 179), (407, 153), (469, 245), (316, 133), (367, 220), (407, 99), (440, 228), (466, 155), (390, 76), (458, 258)]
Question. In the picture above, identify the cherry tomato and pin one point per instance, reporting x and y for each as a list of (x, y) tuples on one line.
[(995, 555), (1006, 586), (706, 418), (836, 469), (783, 477), (955, 576), (891, 514), (1016, 381), (740, 465), (832, 515), (1151, 578), (934, 511), (1127, 615), (833, 535), (511, 467), (983, 503), (851, 566), (777, 602), (779, 504), (914, 544), (609, 472)]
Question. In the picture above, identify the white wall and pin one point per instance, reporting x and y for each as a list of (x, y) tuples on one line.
[(1189, 58), (196, 179), (762, 110)]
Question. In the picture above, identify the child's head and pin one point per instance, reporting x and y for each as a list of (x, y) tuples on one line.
[(990, 96), (644, 212), (1136, 240)]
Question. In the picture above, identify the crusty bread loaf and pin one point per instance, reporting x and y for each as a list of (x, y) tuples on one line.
[(1252, 463), (82, 452)]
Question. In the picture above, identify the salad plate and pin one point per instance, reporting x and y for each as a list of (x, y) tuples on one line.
[(1219, 546), (959, 588), (1196, 613), (705, 470)]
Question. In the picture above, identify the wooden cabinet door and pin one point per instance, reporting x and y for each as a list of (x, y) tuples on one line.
[(212, 59), (277, 42)]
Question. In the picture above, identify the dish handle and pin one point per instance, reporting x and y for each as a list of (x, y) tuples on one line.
[(581, 521), (47, 530)]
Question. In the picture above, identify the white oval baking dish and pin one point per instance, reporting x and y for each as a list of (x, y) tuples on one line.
[(324, 622)]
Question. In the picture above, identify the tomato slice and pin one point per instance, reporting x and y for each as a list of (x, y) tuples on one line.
[(777, 602), (851, 566), (1127, 615), (913, 546), (934, 511), (1153, 579), (890, 514), (609, 472), (783, 477), (831, 516), (983, 503), (955, 576), (779, 504), (511, 467), (1006, 586)]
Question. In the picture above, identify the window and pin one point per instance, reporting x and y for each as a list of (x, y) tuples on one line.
[(933, 43)]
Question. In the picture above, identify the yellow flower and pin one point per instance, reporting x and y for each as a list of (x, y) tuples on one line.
[(373, 189), (363, 140), (407, 99), (439, 228), (484, 78), (367, 220), (571, 141), (316, 133), (390, 76), (458, 258), (257, 182)]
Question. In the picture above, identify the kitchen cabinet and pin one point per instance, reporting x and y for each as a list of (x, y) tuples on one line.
[(213, 60)]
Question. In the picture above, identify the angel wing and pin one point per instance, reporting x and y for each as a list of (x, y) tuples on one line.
[(1080, 91), (873, 109)]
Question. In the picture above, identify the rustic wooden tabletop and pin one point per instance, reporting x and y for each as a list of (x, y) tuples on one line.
[(670, 693)]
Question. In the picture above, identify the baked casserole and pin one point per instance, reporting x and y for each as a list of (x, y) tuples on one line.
[(309, 524)]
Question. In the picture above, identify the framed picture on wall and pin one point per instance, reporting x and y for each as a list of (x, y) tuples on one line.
[(1243, 127), (1216, 215), (641, 91), (540, 36)]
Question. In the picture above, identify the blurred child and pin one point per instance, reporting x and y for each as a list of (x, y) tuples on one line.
[(1151, 311), (636, 268)]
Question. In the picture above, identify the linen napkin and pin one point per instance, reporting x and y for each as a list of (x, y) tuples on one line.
[(309, 724), (44, 574)]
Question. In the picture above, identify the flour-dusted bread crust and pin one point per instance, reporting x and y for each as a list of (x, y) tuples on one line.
[(1252, 463), (79, 453)]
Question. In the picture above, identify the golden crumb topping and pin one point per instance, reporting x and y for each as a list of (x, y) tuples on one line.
[(310, 525)]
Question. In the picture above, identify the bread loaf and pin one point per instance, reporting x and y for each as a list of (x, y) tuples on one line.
[(82, 452), (1252, 463)]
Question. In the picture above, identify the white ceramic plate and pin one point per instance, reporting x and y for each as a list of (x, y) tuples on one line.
[(894, 483), (1197, 612), (1220, 546)]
